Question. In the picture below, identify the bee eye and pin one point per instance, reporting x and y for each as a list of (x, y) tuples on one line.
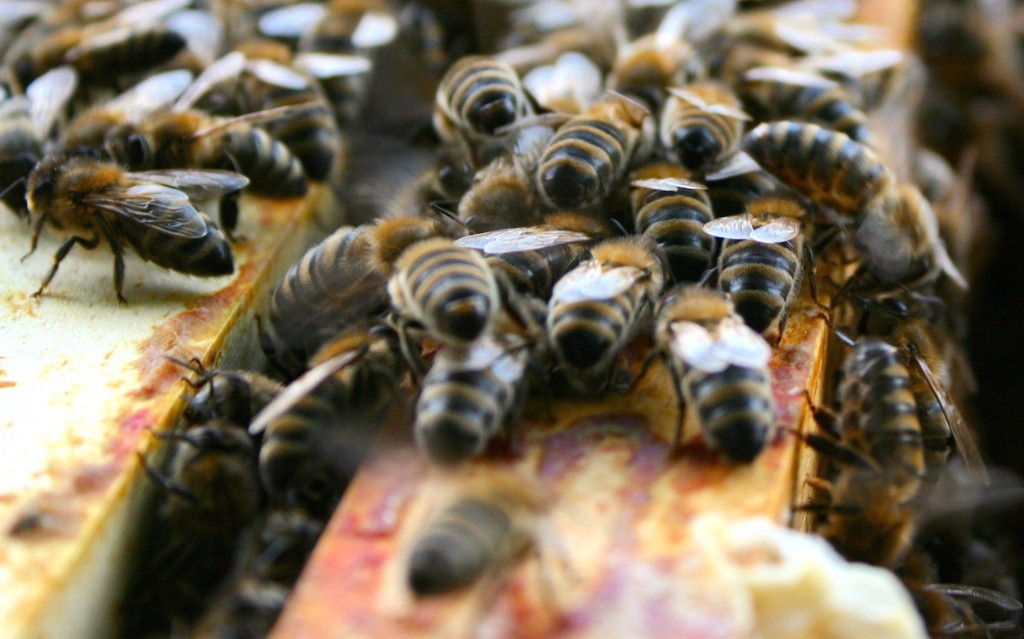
[(137, 151)]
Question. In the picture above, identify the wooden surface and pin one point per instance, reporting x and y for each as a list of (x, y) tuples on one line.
[(83, 380)]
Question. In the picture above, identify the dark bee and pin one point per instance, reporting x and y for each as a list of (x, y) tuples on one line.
[(235, 396), (771, 93), (341, 280), (672, 211), (826, 166), (93, 201), (737, 183), (701, 124), (761, 262), (193, 139), (486, 529), (720, 369), (448, 289), (589, 154), (533, 259), (321, 425), (469, 394), (596, 308), (124, 50)]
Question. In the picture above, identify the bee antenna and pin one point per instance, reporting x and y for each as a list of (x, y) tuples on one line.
[(441, 208), (844, 338), (10, 186), (619, 229), (706, 277)]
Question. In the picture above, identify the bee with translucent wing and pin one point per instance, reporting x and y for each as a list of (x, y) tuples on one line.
[(701, 124)]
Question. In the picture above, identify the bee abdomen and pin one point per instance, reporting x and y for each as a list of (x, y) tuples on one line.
[(458, 413), (760, 279), (312, 136), (834, 109), (822, 164), (458, 547), (485, 94), (536, 272), (735, 409), (138, 52), (209, 255), (454, 287), (586, 333), (676, 224), (273, 170), (582, 163), (700, 138)]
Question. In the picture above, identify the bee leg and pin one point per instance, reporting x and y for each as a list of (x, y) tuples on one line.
[(61, 253), (812, 280), (115, 246), (677, 384), (824, 417), (624, 388), (166, 483), (840, 452), (411, 354), (37, 229), (229, 216)]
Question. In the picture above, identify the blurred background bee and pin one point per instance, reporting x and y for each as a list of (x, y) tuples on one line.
[(94, 201), (235, 396)]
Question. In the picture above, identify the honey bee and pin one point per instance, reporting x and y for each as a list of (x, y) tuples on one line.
[(737, 183), (701, 124), (489, 526), (596, 308), (470, 393), (570, 85), (589, 154), (93, 200), (672, 211), (899, 237), (448, 289), (720, 369), (318, 428), (190, 138), (341, 280), (25, 125), (779, 92), (826, 166), (533, 258), (235, 396), (760, 265), (477, 97)]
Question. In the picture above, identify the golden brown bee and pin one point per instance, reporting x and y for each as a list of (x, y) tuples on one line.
[(96, 201), (589, 154), (701, 124), (826, 166), (338, 282), (322, 424), (448, 289), (476, 97), (489, 526), (470, 393), (533, 258), (596, 308), (235, 396), (773, 93), (720, 369), (761, 262), (672, 211), (899, 237), (193, 139)]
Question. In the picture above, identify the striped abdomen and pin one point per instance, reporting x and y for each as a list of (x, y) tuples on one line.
[(825, 165), (583, 162), (272, 169), (879, 415), (312, 135), (449, 289), (761, 279), (675, 221), (535, 272), (209, 255), (481, 94), (731, 195), (136, 51), (829, 106), (696, 137), (470, 538), (587, 335), (735, 409)]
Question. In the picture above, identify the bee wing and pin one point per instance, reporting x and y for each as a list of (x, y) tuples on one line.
[(203, 33), (741, 345), (731, 227), (962, 435), (693, 344), (689, 97), (229, 66), (48, 95), (13, 12), (737, 164), (976, 595), (593, 281), (149, 12), (375, 29), (854, 64), (198, 185), (302, 386), (151, 95), (821, 9), (332, 65), (694, 21), (948, 266), (518, 239), (159, 208), (776, 231), (670, 184), (259, 116), (793, 77), (808, 38), (276, 74), (291, 21), (728, 111)]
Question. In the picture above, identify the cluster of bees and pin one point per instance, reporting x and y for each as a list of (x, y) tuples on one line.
[(659, 176)]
